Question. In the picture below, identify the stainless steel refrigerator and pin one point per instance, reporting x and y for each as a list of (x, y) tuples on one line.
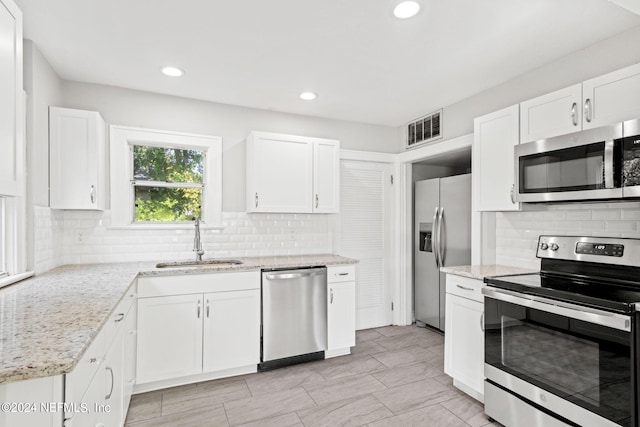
[(442, 224)]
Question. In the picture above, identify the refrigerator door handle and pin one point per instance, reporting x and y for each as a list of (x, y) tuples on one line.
[(434, 237), (439, 243)]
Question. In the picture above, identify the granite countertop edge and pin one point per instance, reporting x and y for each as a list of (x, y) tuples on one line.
[(59, 336), (480, 272)]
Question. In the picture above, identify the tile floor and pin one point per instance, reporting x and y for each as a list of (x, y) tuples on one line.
[(393, 378)]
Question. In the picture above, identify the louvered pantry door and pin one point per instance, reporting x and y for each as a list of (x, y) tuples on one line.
[(365, 234)]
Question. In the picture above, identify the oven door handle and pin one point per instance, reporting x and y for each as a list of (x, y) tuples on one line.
[(586, 314)]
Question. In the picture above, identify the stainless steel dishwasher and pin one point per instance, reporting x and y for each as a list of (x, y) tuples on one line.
[(294, 316)]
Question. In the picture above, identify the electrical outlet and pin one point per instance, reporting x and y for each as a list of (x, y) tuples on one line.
[(80, 235)]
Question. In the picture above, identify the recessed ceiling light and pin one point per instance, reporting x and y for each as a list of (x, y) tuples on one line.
[(406, 9), (172, 71), (308, 96)]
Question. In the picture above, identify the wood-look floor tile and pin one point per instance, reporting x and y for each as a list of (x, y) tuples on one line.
[(405, 356), (351, 412), (367, 347), (434, 415), (393, 377), (407, 340), (348, 365), (282, 379), (286, 420), (144, 406), (367, 335), (269, 405), (343, 388), (416, 395), (468, 410), (204, 395), (207, 417)]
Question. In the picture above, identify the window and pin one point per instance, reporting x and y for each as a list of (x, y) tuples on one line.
[(164, 179), (168, 183)]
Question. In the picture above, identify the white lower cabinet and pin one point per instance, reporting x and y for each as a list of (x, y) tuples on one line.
[(169, 337), (96, 391), (341, 310), (464, 338), (230, 334), (197, 327)]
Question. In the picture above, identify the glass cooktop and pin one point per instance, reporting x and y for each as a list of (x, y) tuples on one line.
[(581, 291)]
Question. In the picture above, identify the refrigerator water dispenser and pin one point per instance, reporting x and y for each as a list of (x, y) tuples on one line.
[(425, 236)]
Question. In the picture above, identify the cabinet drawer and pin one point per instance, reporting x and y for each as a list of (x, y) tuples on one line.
[(155, 286), (343, 273), (465, 287), (78, 380), (116, 319)]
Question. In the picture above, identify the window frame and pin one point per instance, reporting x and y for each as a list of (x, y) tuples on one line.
[(122, 140)]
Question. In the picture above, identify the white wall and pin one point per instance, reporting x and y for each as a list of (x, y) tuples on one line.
[(609, 55), (44, 229), (143, 109)]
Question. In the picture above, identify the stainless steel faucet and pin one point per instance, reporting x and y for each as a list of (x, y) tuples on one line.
[(197, 242)]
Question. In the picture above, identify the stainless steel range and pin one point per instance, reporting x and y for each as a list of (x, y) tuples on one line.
[(561, 346)]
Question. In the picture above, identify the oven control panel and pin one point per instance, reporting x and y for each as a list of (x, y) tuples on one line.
[(603, 249)]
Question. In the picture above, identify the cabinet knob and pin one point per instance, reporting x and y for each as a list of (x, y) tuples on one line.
[(574, 114)]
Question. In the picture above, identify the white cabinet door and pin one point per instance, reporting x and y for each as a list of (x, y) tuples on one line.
[(93, 398), (77, 145), (494, 137), (129, 357), (341, 315), (169, 337), (464, 342), (612, 98), (279, 173), (113, 372), (326, 176), (553, 114), (231, 330)]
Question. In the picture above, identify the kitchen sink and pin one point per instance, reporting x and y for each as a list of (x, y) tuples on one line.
[(202, 263)]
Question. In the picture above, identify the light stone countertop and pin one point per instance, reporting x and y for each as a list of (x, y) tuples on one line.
[(47, 322), (481, 271)]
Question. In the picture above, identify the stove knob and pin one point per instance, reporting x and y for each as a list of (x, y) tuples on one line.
[(554, 247), (544, 246)]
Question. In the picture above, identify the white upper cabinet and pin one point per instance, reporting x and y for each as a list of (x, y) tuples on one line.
[(10, 100), (494, 137), (78, 159), (292, 174), (326, 176), (601, 101), (611, 98), (553, 114)]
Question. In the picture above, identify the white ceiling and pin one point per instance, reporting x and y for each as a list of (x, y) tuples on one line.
[(365, 65)]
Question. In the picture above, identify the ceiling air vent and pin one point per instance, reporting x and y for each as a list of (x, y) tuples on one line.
[(425, 129)]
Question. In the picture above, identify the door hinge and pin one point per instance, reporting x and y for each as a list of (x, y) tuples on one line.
[(391, 305), (391, 179)]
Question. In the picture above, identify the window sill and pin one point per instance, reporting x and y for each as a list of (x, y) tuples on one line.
[(10, 280)]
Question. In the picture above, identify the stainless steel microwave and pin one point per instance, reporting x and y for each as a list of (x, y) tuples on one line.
[(599, 163)]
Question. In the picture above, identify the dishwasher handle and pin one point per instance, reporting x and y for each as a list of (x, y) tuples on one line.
[(297, 275)]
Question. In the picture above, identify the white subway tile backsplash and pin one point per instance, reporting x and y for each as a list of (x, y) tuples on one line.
[(517, 232), (57, 242)]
